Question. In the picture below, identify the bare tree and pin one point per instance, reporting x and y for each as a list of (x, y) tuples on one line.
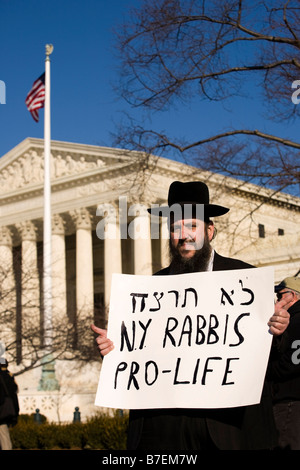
[(22, 330), (173, 51)]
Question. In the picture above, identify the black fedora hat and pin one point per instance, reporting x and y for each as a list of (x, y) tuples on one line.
[(189, 193)]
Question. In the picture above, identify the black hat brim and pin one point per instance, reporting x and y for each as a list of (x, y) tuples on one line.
[(210, 210)]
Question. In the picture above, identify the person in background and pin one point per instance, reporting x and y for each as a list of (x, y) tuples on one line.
[(284, 369), (9, 387)]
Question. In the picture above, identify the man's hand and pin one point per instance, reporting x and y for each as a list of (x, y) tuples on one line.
[(279, 322), (105, 345)]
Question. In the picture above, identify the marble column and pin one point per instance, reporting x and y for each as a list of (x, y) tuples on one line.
[(112, 251), (31, 322), (84, 264), (59, 284), (8, 293), (139, 231)]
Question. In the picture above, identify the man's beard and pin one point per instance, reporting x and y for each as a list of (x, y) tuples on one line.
[(198, 262)]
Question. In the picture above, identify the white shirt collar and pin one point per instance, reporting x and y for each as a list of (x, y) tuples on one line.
[(211, 261)]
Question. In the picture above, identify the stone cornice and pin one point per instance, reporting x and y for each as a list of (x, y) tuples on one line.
[(250, 191), (264, 195), (100, 163)]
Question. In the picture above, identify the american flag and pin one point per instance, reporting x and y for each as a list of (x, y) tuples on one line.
[(36, 97)]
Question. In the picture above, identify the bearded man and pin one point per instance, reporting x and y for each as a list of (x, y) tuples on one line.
[(240, 428)]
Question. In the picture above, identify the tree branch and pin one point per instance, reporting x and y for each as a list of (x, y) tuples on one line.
[(256, 133)]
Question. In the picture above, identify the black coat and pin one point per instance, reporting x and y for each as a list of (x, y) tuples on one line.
[(284, 366), (241, 428), (12, 389)]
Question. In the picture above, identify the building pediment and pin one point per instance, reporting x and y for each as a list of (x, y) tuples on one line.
[(23, 167), (92, 168)]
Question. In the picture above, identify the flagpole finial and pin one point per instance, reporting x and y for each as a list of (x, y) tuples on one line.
[(49, 49)]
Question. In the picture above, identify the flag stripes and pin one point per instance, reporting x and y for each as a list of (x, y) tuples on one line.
[(36, 97)]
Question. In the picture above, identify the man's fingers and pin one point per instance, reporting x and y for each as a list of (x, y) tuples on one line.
[(279, 321), (281, 318), (99, 331), (284, 303), (104, 344), (106, 348)]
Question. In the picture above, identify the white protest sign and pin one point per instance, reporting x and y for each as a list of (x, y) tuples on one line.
[(196, 340)]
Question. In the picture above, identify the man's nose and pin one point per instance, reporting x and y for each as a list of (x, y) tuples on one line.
[(185, 232)]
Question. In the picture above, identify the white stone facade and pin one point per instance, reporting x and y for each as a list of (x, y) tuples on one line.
[(87, 184)]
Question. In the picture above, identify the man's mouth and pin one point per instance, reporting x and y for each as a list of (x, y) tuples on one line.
[(187, 245)]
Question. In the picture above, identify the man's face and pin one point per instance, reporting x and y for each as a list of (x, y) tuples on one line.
[(188, 235)]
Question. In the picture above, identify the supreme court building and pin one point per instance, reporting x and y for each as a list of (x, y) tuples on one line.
[(92, 185)]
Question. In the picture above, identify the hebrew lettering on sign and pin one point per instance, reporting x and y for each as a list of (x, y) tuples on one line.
[(189, 341)]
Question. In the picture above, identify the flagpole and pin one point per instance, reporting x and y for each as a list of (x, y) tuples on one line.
[(47, 208), (48, 381)]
